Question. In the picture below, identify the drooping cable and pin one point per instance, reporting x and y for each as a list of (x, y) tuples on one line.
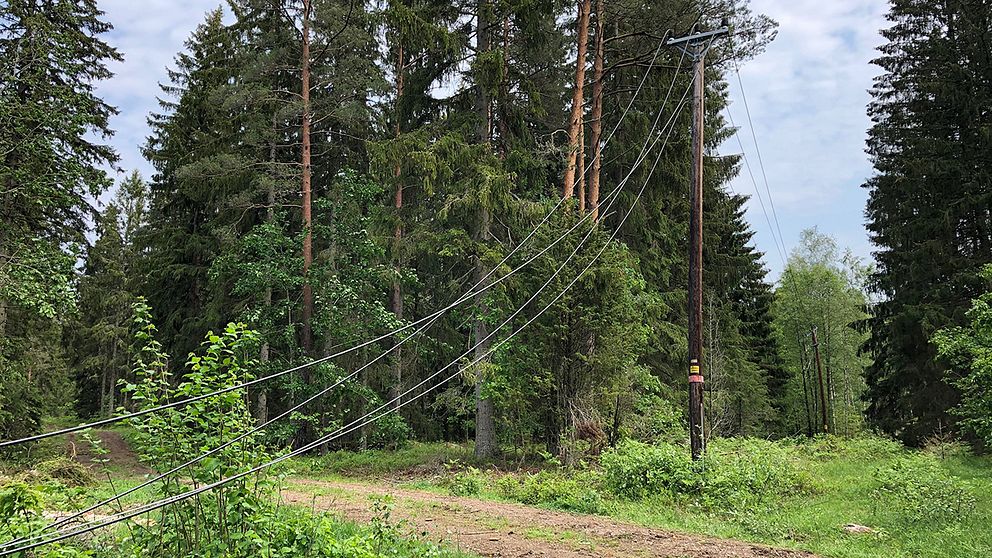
[(645, 149), (481, 286), (351, 427)]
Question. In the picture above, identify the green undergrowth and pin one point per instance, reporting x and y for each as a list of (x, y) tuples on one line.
[(792, 493), (282, 531), (412, 459)]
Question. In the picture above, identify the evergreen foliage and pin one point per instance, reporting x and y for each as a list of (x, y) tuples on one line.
[(928, 206), (52, 163)]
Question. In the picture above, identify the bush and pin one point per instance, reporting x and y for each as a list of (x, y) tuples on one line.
[(21, 508), (574, 493), (468, 482), (735, 472), (918, 490), (390, 432), (635, 470)]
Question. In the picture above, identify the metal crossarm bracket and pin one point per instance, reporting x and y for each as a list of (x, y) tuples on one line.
[(686, 42)]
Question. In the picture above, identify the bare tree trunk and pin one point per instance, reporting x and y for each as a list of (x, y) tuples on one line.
[(596, 126), (578, 98), (396, 299), (307, 314), (262, 400), (485, 410), (580, 167)]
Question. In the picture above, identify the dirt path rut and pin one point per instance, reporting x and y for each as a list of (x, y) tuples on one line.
[(505, 530)]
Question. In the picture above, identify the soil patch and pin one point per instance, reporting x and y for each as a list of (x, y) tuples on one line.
[(119, 453), (498, 529)]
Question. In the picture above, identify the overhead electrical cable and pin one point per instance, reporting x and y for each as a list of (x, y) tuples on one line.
[(479, 287), (352, 426), (645, 149)]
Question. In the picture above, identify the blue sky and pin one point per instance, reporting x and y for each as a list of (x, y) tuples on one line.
[(807, 96)]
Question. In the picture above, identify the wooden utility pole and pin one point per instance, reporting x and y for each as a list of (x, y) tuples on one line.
[(696, 46), (823, 391)]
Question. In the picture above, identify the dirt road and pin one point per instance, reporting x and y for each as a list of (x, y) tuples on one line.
[(507, 530)]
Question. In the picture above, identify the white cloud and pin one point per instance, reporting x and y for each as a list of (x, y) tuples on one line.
[(807, 96), (148, 33)]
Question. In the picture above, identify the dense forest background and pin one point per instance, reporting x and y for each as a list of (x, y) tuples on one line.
[(329, 170)]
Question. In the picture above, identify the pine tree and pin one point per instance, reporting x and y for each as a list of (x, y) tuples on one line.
[(928, 208)]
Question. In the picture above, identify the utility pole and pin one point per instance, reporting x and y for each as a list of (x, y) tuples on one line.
[(696, 46), (819, 375)]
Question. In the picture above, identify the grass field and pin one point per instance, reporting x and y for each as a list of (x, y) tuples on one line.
[(843, 479)]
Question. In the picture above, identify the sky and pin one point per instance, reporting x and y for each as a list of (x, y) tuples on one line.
[(806, 96)]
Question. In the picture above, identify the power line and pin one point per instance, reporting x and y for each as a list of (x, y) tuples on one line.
[(351, 427), (776, 239), (473, 291), (610, 198), (321, 393), (757, 150)]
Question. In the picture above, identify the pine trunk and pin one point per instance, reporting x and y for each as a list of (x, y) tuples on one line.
[(580, 167), (596, 126), (307, 314), (578, 98)]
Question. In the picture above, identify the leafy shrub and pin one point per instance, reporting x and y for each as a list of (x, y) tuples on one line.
[(20, 516), (467, 482), (390, 431), (735, 472), (635, 470), (657, 420), (576, 492), (746, 471), (917, 489)]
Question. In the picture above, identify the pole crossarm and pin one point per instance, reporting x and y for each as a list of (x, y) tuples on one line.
[(685, 43)]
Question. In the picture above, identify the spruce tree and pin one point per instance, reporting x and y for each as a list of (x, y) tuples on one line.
[(929, 200), (51, 57), (52, 164)]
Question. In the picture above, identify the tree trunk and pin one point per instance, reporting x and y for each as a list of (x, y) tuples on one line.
[(396, 299), (262, 400), (578, 97), (485, 411), (810, 410), (307, 314), (596, 126), (580, 167)]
